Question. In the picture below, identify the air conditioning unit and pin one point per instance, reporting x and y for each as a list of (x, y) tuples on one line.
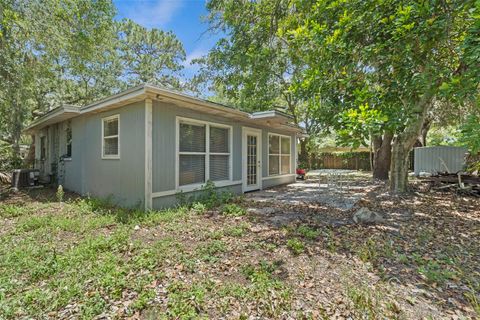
[(22, 178)]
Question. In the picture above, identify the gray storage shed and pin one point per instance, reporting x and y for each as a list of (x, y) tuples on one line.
[(439, 159)]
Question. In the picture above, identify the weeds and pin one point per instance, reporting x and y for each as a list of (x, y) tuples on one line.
[(209, 251), (308, 232), (199, 208), (186, 301), (329, 238), (12, 211), (60, 193), (435, 273), (263, 284), (365, 302), (296, 246), (368, 251), (233, 210), (473, 298), (238, 230)]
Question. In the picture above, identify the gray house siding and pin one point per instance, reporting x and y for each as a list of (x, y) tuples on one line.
[(74, 168), (164, 140), (164, 152), (123, 180)]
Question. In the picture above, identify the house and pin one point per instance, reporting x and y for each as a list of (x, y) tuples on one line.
[(143, 146)]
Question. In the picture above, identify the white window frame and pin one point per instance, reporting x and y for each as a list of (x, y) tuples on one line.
[(279, 154), (110, 156), (207, 153)]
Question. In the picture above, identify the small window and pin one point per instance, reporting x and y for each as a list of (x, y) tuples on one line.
[(68, 133), (279, 154), (111, 137), (43, 147)]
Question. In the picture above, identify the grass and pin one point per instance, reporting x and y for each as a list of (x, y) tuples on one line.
[(208, 260)]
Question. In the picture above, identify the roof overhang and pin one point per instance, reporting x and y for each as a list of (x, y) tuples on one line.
[(274, 118), (59, 114)]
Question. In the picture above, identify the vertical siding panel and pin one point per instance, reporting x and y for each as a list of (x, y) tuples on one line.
[(429, 159)]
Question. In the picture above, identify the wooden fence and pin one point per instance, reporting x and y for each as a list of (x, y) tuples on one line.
[(344, 160)]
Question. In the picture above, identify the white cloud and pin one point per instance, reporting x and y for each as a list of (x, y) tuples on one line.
[(190, 69), (195, 54), (153, 13)]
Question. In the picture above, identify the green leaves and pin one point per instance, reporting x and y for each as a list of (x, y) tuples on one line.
[(55, 52), (152, 56), (470, 133)]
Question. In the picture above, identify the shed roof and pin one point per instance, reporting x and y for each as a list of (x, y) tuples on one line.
[(272, 118)]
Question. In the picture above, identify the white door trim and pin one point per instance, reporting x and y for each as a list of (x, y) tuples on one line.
[(258, 133)]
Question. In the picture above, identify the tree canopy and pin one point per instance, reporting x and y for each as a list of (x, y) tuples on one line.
[(55, 52), (367, 69)]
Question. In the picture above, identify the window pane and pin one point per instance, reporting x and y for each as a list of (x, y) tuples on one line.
[(110, 127), (110, 146), (273, 144), (69, 142), (285, 164), (273, 165), (192, 138), (219, 140), (219, 168), (192, 169), (285, 145)]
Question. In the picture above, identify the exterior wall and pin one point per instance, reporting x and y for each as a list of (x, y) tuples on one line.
[(434, 159), (275, 181), (74, 168), (55, 147), (164, 152), (121, 180)]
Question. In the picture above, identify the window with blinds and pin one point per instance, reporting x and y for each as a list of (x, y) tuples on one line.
[(111, 137), (279, 154), (204, 152)]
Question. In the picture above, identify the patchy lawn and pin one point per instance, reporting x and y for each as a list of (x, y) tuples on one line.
[(256, 256)]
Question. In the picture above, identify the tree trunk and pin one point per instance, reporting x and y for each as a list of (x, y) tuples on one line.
[(424, 132), (399, 168), (382, 156), (303, 156), (403, 144)]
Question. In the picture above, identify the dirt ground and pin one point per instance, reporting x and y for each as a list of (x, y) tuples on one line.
[(426, 250)]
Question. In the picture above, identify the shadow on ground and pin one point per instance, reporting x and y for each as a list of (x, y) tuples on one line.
[(426, 248)]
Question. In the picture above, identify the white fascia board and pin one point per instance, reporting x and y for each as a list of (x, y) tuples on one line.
[(116, 98), (67, 111)]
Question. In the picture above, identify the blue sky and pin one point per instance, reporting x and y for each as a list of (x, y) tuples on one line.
[(183, 17)]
